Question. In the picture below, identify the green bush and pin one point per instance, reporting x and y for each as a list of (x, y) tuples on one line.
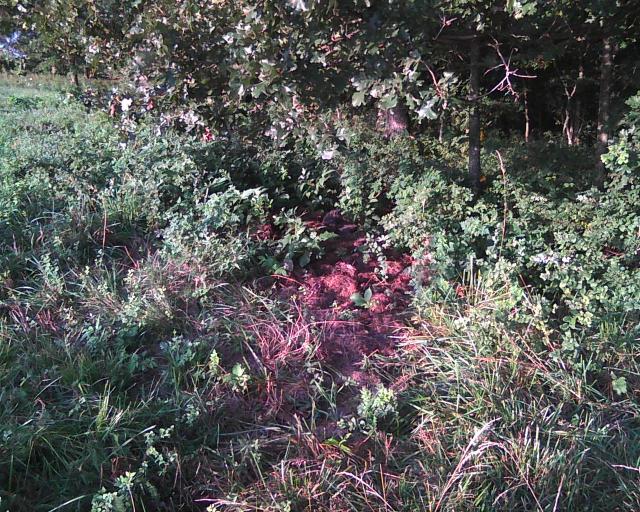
[(576, 250)]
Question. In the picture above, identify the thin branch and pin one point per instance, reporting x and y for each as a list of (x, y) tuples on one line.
[(445, 23), (439, 92), (505, 84)]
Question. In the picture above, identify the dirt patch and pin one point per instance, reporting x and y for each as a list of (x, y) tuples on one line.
[(326, 287)]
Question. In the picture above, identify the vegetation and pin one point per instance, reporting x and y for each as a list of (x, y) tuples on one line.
[(296, 256)]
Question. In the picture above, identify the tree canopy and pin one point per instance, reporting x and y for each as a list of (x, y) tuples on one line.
[(292, 66)]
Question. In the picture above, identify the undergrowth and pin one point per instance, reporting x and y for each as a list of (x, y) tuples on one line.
[(146, 365)]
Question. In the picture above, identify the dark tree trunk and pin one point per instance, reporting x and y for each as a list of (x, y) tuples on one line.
[(606, 70), (474, 116), (393, 121)]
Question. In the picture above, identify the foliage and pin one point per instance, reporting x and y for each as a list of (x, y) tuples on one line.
[(376, 406), (143, 367), (575, 247)]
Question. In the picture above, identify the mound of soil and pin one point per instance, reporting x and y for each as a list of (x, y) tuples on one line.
[(326, 286)]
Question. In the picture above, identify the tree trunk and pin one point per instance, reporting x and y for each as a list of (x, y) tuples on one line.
[(573, 115), (474, 117), (568, 122), (527, 121), (576, 128), (606, 70), (393, 121)]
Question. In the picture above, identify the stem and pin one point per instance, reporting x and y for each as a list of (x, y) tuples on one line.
[(527, 123)]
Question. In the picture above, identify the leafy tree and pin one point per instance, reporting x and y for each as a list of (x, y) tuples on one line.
[(80, 36), (291, 69)]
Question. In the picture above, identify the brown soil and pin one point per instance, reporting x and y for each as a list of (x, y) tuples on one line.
[(325, 288)]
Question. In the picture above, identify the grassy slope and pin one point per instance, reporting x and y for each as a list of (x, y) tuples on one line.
[(130, 379)]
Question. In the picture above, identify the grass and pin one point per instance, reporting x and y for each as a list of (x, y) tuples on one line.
[(133, 377)]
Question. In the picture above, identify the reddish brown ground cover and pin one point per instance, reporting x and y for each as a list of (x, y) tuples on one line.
[(326, 286)]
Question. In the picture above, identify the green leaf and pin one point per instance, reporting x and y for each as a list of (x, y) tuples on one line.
[(427, 111), (357, 299), (259, 89), (326, 235), (338, 443), (619, 384), (389, 101), (358, 98), (368, 294), (305, 259)]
